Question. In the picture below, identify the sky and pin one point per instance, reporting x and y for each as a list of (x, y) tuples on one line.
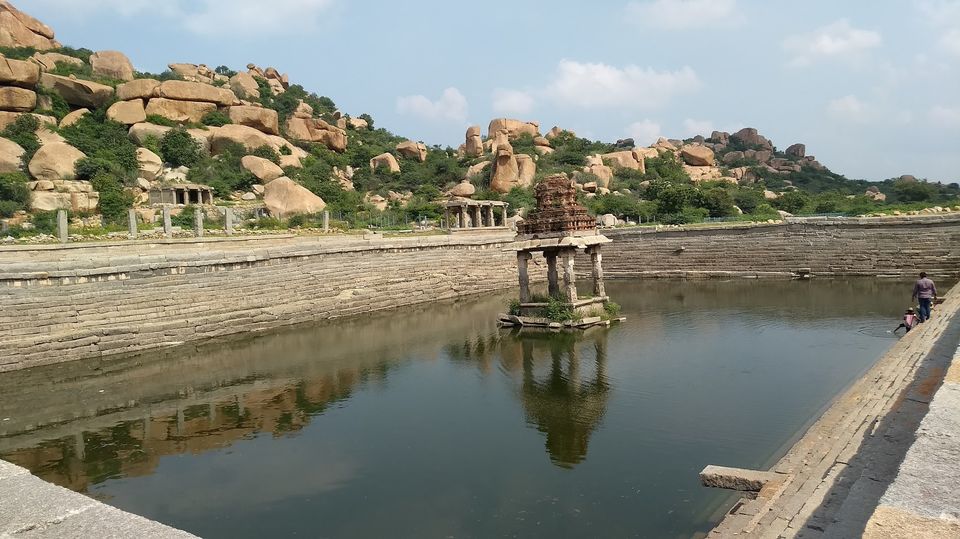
[(871, 87)]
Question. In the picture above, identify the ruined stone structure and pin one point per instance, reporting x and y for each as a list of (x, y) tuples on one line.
[(463, 214), (558, 228), (182, 194)]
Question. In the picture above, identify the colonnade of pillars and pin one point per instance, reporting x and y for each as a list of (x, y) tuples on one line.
[(481, 216), (568, 292)]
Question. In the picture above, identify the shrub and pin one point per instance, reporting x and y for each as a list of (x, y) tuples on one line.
[(179, 148), (792, 201), (612, 309), (58, 105), (23, 131), (103, 139), (558, 311), (224, 174), (90, 167), (718, 202), (215, 118), (152, 143), (14, 193), (114, 200), (748, 199), (268, 153), (156, 119), (368, 118)]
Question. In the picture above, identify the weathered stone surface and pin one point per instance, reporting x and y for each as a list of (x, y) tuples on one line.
[(699, 156), (259, 118), (506, 169), (47, 61), (513, 128), (463, 189), (11, 156), (736, 478), (17, 29), (195, 91), (150, 164), (732, 157), (137, 89), (179, 111), (245, 86), (79, 93), (19, 73), (627, 159), (127, 112), (797, 150), (557, 131), (317, 130), (413, 150), (477, 170), (290, 161), (16, 99), (473, 146), (7, 118), (112, 65), (241, 134), (527, 170), (750, 137), (358, 123), (264, 169), (55, 161), (385, 160), (73, 117), (607, 220), (284, 197)]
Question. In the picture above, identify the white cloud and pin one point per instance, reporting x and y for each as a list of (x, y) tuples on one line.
[(945, 116), (589, 85), (512, 102), (848, 107), (835, 40), (693, 127), (685, 14), (643, 133), (945, 16), (450, 107)]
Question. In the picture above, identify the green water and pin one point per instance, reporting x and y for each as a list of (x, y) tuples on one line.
[(431, 422)]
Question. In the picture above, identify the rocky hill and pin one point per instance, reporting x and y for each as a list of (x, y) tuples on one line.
[(85, 131)]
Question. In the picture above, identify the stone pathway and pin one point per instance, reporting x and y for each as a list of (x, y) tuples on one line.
[(833, 478), (923, 501), (31, 508)]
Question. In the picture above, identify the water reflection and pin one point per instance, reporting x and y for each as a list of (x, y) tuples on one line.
[(568, 401), (406, 412)]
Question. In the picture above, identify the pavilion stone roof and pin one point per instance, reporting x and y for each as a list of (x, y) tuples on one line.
[(557, 213)]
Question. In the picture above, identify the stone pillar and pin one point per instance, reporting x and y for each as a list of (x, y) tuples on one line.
[(198, 222), (132, 223), (462, 212), (490, 219), (599, 290), (228, 220), (523, 258), (503, 214), (569, 277), (167, 225), (4, 226), (553, 286), (326, 221), (63, 230)]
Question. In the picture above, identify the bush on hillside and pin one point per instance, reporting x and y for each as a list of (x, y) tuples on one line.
[(224, 174), (114, 200), (104, 139), (156, 119), (215, 118), (268, 153), (792, 201), (58, 105), (14, 193), (718, 202), (23, 131), (180, 149)]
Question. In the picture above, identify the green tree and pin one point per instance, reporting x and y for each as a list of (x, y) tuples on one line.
[(179, 148), (792, 201), (718, 202), (14, 193)]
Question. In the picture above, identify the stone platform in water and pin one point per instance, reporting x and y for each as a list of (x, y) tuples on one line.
[(509, 320)]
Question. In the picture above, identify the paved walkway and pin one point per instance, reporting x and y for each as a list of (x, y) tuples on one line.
[(923, 501), (833, 478), (31, 508)]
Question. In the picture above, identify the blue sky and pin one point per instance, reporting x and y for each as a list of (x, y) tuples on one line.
[(872, 87)]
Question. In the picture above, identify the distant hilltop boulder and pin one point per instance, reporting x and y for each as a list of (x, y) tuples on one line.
[(17, 29)]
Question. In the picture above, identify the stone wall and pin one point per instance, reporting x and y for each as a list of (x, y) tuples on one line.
[(889, 247), (62, 304)]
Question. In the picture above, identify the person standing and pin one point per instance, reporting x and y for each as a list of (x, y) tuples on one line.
[(925, 291)]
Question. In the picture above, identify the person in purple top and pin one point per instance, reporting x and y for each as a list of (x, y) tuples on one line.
[(925, 291)]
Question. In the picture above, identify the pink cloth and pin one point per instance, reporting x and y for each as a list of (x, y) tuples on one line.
[(910, 320)]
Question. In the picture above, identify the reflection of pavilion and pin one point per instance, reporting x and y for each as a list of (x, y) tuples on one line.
[(567, 403)]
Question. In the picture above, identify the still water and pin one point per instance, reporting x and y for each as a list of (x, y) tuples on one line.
[(431, 422)]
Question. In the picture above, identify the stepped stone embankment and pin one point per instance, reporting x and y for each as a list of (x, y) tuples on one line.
[(59, 305), (887, 247)]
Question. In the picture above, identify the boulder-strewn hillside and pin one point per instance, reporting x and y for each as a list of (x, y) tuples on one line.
[(85, 131)]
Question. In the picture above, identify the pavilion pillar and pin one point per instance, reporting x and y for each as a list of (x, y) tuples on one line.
[(523, 258), (599, 290), (167, 225), (477, 222), (553, 286), (490, 219), (462, 214), (503, 214), (569, 277)]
